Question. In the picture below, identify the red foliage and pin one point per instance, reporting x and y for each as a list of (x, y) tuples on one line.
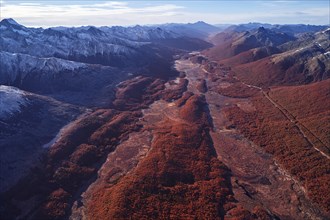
[(176, 92), (56, 206), (180, 178), (268, 128), (137, 93), (201, 86)]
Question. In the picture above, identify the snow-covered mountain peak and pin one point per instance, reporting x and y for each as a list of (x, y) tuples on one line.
[(9, 21), (16, 65), (11, 101), (11, 24)]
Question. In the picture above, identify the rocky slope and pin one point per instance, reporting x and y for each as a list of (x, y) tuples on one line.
[(28, 122), (68, 81), (199, 29), (229, 44), (111, 46), (266, 57), (303, 64), (291, 29)]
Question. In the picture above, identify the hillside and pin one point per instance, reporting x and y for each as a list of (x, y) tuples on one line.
[(229, 44)]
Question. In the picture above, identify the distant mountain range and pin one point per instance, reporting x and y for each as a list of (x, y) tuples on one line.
[(291, 29), (60, 59), (264, 56), (113, 46)]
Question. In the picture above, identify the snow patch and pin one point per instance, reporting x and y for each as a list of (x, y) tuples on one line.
[(21, 32), (11, 101), (328, 29), (300, 49), (318, 44), (12, 21), (14, 65)]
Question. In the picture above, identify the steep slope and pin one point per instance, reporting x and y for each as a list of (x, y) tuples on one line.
[(308, 104), (291, 29), (139, 33), (230, 44), (306, 64), (199, 29), (115, 46), (74, 44), (12, 100), (41, 60), (27, 123), (247, 27), (288, 134), (318, 38), (72, 82), (15, 67), (265, 57), (299, 28), (251, 55)]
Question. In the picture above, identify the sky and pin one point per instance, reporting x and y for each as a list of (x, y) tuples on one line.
[(47, 13)]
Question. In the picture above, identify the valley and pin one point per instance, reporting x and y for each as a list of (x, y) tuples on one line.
[(258, 180), (149, 123)]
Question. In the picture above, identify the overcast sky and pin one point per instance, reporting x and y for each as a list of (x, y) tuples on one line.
[(42, 13)]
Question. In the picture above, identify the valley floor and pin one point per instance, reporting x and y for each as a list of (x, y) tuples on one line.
[(203, 145), (257, 179), (259, 185)]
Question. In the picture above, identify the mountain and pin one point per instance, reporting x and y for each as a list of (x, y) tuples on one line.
[(222, 26), (229, 44), (11, 102), (300, 28), (50, 76), (28, 122), (251, 55), (274, 89), (139, 33), (297, 65), (199, 29), (247, 27), (291, 29), (115, 46), (62, 43), (61, 61), (16, 67), (265, 57), (61, 79), (203, 27)]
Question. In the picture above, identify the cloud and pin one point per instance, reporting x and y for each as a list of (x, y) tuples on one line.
[(29, 4), (155, 12), (285, 1), (107, 13), (111, 5)]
